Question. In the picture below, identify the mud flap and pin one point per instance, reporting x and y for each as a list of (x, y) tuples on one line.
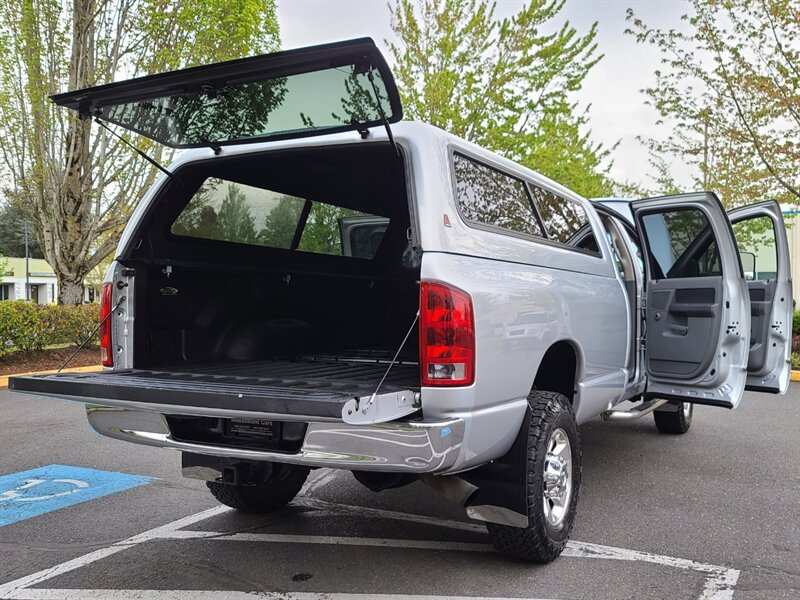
[(502, 484)]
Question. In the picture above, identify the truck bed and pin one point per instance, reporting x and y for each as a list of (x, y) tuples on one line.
[(316, 387)]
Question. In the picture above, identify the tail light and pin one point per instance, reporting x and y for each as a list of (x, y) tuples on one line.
[(105, 328), (446, 335)]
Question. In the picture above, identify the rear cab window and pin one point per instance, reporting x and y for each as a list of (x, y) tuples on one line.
[(228, 211)]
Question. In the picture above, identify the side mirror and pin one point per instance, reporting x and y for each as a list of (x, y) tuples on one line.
[(361, 235), (749, 265)]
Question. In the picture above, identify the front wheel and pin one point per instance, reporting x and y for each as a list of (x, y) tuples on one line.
[(552, 483), (675, 421)]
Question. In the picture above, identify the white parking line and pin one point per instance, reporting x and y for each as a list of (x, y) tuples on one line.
[(281, 538), (318, 479), (720, 581), (10, 589), (81, 594), (379, 513)]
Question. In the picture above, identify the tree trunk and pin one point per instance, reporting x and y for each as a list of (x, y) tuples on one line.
[(70, 289), (73, 187)]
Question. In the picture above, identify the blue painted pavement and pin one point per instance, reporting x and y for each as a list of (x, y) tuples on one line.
[(38, 491)]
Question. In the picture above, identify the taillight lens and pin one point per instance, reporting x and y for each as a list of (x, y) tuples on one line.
[(105, 329), (446, 335)]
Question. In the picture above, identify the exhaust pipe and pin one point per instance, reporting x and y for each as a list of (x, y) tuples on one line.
[(451, 487)]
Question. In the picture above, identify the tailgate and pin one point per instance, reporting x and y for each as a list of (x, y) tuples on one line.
[(177, 392)]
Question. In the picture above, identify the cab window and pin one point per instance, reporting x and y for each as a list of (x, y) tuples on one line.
[(681, 244)]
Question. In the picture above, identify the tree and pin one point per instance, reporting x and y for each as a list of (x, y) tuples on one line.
[(503, 84), (280, 224), (235, 221), (3, 266), (321, 233), (78, 185), (730, 91), (12, 232)]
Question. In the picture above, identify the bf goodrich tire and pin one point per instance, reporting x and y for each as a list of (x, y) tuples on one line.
[(675, 422), (552, 483), (263, 497)]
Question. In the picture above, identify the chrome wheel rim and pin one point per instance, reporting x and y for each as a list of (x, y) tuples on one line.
[(557, 491), (687, 409)]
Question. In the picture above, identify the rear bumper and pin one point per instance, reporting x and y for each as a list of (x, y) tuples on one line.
[(408, 446)]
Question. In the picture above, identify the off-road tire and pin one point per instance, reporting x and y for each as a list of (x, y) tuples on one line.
[(674, 422), (539, 542), (263, 497)]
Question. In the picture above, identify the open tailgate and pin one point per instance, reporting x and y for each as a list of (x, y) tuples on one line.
[(302, 389)]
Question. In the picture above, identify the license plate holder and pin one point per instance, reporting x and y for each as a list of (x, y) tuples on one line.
[(262, 429)]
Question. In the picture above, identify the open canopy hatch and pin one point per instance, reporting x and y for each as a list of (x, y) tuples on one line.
[(296, 93)]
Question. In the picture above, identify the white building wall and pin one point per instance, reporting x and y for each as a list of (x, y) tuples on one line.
[(792, 221)]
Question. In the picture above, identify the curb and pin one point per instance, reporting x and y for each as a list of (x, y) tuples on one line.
[(91, 369), (795, 376)]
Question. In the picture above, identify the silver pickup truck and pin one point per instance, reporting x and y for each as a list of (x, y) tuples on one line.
[(316, 283)]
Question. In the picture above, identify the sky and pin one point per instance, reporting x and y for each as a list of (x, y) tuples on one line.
[(618, 112)]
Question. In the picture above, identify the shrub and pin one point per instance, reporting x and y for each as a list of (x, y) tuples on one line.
[(796, 323), (26, 326), (795, 361)]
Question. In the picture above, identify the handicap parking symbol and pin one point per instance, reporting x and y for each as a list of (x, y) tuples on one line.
[(35, 492), (20, 494)]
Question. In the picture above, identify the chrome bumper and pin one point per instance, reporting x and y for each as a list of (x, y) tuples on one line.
[(410, 446)]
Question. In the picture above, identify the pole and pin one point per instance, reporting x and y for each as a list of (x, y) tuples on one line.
[(27, 266)]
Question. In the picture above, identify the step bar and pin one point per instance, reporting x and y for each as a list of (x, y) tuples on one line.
[(636, 412)]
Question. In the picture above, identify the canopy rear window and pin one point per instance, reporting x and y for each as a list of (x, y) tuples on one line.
[(296, 93)]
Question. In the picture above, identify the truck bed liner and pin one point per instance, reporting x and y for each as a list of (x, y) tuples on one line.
[(314, 388)]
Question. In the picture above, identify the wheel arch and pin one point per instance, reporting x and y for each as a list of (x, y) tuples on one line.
[(559, 369)]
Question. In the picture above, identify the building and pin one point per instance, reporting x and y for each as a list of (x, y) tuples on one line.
[(40, 281), (792, 219)]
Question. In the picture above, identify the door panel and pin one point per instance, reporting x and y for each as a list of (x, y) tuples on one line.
[(697, 308), (762, 294), (683, 326), (761, 233)]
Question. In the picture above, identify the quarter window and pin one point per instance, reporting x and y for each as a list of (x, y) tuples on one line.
[(490, 197)]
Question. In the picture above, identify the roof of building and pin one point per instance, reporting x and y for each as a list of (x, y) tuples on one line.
[(38, 267)]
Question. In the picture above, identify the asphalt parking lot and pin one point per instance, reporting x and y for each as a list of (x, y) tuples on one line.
[(714, 514)]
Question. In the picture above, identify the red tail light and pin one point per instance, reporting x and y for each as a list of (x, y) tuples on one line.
[(106, 352), (446, 335)]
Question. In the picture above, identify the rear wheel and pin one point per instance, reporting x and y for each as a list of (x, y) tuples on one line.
[(675, 421), (273, 494), (552, 483)]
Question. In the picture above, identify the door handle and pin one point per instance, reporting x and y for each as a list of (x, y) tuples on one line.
[(679, 329)]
